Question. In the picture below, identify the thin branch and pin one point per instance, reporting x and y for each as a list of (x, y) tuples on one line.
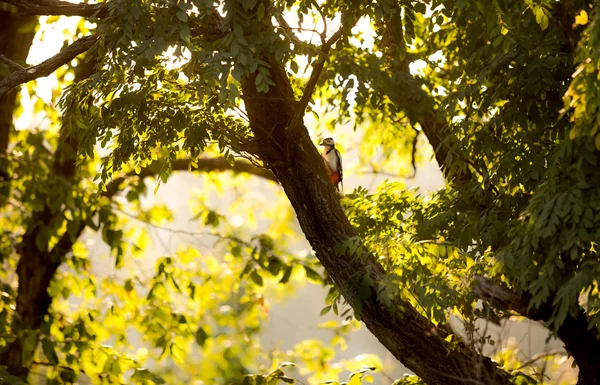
[(193, 234), (48, 364), (286, 27), (202, 164), (11, 63), (558, 352), (311, 85), (317, 69), (320, 10), (59, 8), (48, 66)]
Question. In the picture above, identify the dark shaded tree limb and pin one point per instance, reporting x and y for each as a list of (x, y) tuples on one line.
[(16, 36), (48, 66), (58, 8), (579, 341), (410, 337), (318, 68), (201, 165), (37, 263), (64, 8), (11, 63), (502, 297)]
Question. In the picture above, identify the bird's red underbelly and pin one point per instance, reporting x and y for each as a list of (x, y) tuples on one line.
[(335, 177)]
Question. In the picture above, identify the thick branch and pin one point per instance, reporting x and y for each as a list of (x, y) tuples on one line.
[(202, 164), (59, 8), (502, 297), (579, 341), (48, 66), (11, 63), (410, 337), (37, 264), (16, 35), (210, 29)]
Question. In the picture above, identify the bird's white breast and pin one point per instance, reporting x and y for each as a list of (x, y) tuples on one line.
[(332, 160)]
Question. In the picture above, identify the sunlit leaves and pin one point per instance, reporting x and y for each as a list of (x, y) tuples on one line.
[(486, 80), (581, 99)]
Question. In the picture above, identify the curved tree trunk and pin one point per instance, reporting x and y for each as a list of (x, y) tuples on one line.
[(410, 337), (579, 340), (37, 265), (16, 36)]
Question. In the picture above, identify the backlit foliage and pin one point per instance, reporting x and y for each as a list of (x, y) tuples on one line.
[(510, 86)]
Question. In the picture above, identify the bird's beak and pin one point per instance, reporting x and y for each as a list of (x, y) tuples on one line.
[(322, 143)]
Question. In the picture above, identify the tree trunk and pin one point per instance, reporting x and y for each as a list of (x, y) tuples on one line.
[(410, 337), (37, 265), (16, 36), (579, 340)]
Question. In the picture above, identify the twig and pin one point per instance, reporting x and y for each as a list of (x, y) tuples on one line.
[(48, 364), (48, 66), (11, 62), (540, 356), (320, 10)]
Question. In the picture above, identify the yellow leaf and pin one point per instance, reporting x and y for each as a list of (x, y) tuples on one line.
[(470, 262), (597, 142), (582, 18)]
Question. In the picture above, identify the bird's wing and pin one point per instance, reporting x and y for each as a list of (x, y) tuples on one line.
[(339, 162)]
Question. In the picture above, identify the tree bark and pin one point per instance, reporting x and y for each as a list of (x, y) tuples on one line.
[(16, 36), (47, 66), (58, 8), (410, 337), (579, 341), (38, 264)]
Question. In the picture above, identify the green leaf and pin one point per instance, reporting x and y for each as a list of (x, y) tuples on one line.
[(312, 275), (49, 351), (181, 15), (287, 273), (256, 278), (201, 336), (261, 11), (28, 344), (184, 32), (545, 22), (143, 374)]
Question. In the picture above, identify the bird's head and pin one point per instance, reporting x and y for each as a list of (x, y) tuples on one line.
[(327, 142)]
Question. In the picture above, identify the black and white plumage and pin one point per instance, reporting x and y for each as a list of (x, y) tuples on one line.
[(333, 162)]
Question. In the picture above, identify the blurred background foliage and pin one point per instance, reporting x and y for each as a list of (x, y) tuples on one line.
[(512, 85)]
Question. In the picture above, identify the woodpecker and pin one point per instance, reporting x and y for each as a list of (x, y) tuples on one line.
[(333, 162)]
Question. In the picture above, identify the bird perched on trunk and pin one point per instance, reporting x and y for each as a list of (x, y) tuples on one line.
[(333, 162)]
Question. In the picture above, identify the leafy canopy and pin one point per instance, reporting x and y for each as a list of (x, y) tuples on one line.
[(506, 92)]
